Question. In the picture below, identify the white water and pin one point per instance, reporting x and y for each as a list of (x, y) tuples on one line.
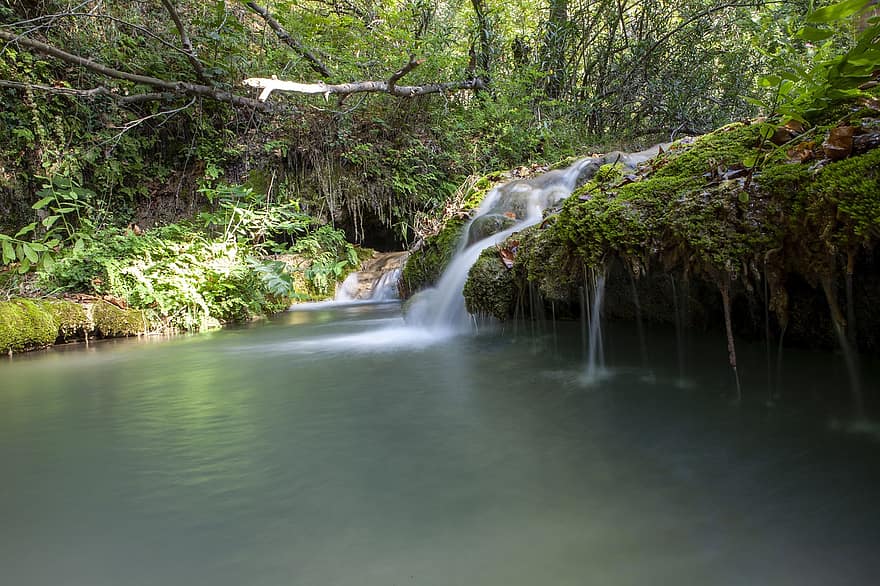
[(382, 289), (441, 309)]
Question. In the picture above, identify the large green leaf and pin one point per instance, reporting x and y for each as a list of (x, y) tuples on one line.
[(838, 11)]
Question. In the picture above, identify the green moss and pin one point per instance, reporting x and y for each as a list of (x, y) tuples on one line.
[(853, 186), (425, 264), (727, 146), (71, 319), (489, 288), (25, 325), (111, 321)]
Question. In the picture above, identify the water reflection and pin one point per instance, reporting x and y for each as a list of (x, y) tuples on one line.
[(328, 448)]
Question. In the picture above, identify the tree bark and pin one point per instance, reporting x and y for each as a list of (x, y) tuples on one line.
[(185, 41), (484, 34), (178, 87)]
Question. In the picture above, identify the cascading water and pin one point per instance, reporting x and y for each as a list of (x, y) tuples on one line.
[(507, 209), (376, 281)]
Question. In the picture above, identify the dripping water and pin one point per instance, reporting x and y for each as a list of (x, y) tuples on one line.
[(643, 347), (679, 330)]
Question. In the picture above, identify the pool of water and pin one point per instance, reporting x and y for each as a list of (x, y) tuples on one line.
[(338, 447)]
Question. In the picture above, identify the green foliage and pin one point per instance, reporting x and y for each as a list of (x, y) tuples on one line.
[(275, 277), (242, 215), (173, 273), (808, 92), (329, 256)]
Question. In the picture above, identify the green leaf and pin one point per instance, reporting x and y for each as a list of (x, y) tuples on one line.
[(48, 262), (838, 11), (8, 252), (750, 161), (79, 245), (25, 266), (43, 202), (811, 33), (26, 230), (29, 253), (49, 221)]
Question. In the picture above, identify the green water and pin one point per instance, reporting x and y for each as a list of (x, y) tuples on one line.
[(334, 447)]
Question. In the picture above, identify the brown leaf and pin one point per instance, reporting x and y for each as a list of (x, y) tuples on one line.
[(802, 152), (787, 132), (839, 143), (508, 253)]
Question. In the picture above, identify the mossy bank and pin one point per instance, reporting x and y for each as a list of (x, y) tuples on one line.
[(29, 324)]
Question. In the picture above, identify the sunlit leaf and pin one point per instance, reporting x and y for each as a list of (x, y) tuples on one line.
[(813, 34), (838, 11)]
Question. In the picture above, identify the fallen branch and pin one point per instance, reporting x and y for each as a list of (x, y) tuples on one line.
[(269, 85), (178, 87), (403, 91), (91, 93)]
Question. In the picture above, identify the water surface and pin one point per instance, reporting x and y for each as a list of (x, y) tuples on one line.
[(337, 447)]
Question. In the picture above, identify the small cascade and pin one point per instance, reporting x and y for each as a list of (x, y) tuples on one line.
[(376, 281), (595, 299), (849, 354), (678, 306), (640, 326), (507, 209)]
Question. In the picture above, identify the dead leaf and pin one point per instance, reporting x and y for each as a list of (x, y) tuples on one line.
[(508, 253), (802, 152), (785, 133), (839, 143)]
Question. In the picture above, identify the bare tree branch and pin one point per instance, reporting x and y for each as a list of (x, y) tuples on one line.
[(67, 91), (411, 64), (50, 19), (91, 93), (179, 87), (188, 48), (403, 91), (316, 64)]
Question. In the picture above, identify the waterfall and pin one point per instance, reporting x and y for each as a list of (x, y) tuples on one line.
[(376, 280), (507, 209)]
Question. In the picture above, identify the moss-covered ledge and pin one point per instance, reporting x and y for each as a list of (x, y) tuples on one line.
[(32, 324), (754, 231)]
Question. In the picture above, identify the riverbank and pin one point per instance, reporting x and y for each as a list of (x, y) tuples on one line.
[(33, 324)]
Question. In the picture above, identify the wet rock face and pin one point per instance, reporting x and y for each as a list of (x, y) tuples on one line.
[(490, 288), (489, 224)]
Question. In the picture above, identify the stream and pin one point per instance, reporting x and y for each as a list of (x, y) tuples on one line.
[(339, 446)]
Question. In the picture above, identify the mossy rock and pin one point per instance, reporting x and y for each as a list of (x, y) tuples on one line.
[(71, 319), (426, 263), (24, 325), (111, 321), (490, 287)]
